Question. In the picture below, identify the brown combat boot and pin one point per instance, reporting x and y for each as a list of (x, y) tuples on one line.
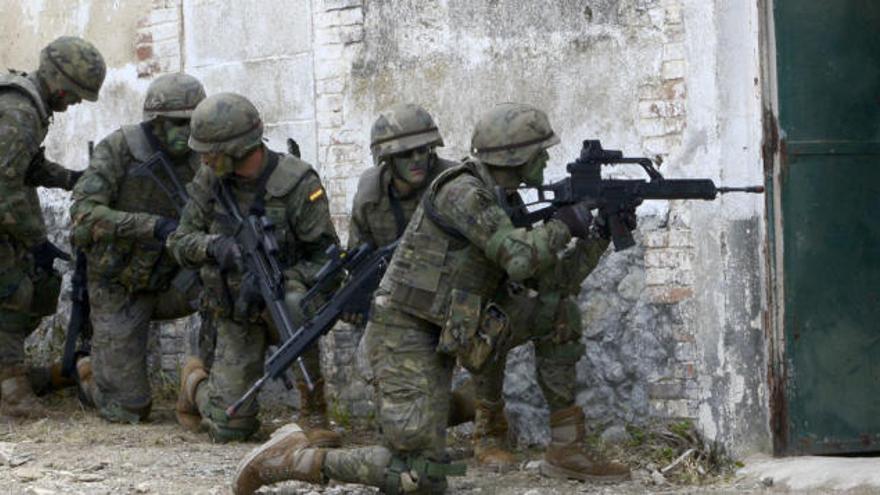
[(187, 410), (569, 456), (58, 381), (288, 455), (17, 398), (491, 437), (313, 416)]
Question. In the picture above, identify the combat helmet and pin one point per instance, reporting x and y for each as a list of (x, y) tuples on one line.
[(402, 127), (225, 123), (510, 134), (173, 95), (73, 64)]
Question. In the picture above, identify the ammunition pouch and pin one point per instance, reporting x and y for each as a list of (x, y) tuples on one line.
[(473, 333)]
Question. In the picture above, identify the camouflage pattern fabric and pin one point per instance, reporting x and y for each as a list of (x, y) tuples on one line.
[(402, 127), (75, 65), (297, 205), (121, 322), (405, 323), (510, 134), (130, 272), (372, 216), (23, 126)]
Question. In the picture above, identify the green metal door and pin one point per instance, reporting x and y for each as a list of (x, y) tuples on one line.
[(828, 67)]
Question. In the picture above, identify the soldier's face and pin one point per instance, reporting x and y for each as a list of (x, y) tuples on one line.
[(221, 163), (412, 166), (533, 172), (174, 134), (60, 99)]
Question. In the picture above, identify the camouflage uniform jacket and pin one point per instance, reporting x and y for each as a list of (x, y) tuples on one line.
[(115, 209), (24, 122), (373, 217), (461, 239), (294, 201)]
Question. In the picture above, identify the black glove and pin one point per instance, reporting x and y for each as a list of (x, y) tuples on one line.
[(72, 178), (45, 254), (164, 227), (577, 218), (226, 253)]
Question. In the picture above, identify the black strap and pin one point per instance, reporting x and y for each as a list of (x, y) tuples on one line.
[(397, 211), (439, 221), (258, 207)]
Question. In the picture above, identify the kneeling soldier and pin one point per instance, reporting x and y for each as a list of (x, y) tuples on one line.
[(227, 131)]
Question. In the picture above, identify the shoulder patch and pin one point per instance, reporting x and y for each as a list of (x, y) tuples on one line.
[(289, 172)]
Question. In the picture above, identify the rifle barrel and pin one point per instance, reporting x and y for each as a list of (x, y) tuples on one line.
[(748, 189)]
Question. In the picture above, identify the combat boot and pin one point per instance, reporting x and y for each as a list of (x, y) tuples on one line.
[(312, 404), (313, 414), (491, 437), (288, 455), (569, 455), (187, 410), (17, 398)]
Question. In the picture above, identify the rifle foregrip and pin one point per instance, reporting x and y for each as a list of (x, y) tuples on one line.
[(620, 234)]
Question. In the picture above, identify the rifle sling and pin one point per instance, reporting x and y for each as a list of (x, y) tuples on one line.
[(397, 211)]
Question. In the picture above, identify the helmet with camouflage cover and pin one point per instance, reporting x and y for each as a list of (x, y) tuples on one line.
[(173, 95), (402, 127), (226, 123), (75, 65), (510, 134)]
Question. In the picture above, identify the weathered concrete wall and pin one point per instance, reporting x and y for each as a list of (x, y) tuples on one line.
[(673, 327)]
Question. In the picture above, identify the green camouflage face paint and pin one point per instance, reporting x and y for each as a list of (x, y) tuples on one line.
[(176, 136), (533, 172), (412, 166)]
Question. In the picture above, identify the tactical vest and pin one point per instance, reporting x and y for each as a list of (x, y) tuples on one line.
[(287, 175), (432, 261), (139, 264), (385, 214), (14, 80)]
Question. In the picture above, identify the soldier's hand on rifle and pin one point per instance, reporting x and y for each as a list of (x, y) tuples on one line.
[(577, 218), (226, 253), (627, 217), (45, 254), (164, 227)]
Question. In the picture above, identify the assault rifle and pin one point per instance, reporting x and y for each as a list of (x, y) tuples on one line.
[(77, 340), (365, 266), (255, 237), (612, 197)]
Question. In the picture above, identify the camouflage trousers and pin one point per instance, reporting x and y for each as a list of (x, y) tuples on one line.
[(239, 356), (121, 323), (413, 383), (553, 324), (25, 297)]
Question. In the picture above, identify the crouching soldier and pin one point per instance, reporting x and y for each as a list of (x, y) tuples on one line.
[(227, 131), (435, 304), (124, 209)]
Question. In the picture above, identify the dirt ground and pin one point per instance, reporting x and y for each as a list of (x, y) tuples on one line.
[(74, 451)]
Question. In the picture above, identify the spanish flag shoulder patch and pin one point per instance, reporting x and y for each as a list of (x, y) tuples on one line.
[(316, 194)]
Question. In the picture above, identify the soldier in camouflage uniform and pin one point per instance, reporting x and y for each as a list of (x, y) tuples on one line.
[(402, 141), (122, 217), (435, 303), (227, 131), (71, 70)]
